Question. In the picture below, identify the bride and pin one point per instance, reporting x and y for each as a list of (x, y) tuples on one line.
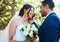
[(12, 31)]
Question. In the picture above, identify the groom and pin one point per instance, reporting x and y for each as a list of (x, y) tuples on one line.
[(49, 30)]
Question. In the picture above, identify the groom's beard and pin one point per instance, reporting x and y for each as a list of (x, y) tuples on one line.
[(43, 14)]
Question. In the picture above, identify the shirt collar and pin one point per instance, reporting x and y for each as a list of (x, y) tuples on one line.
[(49, 13)]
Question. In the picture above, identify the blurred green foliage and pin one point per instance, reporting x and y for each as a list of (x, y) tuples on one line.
[(5, 12)]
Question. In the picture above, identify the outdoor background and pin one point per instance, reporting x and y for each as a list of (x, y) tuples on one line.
[(10, 7)]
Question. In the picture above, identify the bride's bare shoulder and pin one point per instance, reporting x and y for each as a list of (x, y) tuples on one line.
[(17, 21)]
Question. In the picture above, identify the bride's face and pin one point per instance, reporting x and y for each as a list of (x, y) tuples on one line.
[(31, 13)]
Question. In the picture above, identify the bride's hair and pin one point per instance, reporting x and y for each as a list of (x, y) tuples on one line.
[(26, 6)]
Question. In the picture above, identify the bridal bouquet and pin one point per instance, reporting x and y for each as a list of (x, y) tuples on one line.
[(30, 31)]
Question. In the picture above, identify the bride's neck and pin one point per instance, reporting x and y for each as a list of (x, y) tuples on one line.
[(25, 19)]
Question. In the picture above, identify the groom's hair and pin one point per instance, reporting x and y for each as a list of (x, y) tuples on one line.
[(50, 3)]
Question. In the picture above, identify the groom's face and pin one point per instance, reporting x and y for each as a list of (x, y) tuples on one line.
[(42, 10)]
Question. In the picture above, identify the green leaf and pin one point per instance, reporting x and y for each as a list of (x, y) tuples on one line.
[(28, 37), (22, 29)]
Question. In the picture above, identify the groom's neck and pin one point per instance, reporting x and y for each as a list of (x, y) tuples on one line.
[(48, 11)]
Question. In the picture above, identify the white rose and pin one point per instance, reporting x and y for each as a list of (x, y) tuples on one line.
[(34, 28), (31, 33), (28, 26), (25, 33)]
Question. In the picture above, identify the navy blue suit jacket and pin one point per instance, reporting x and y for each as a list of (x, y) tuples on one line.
[(49, 30)]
